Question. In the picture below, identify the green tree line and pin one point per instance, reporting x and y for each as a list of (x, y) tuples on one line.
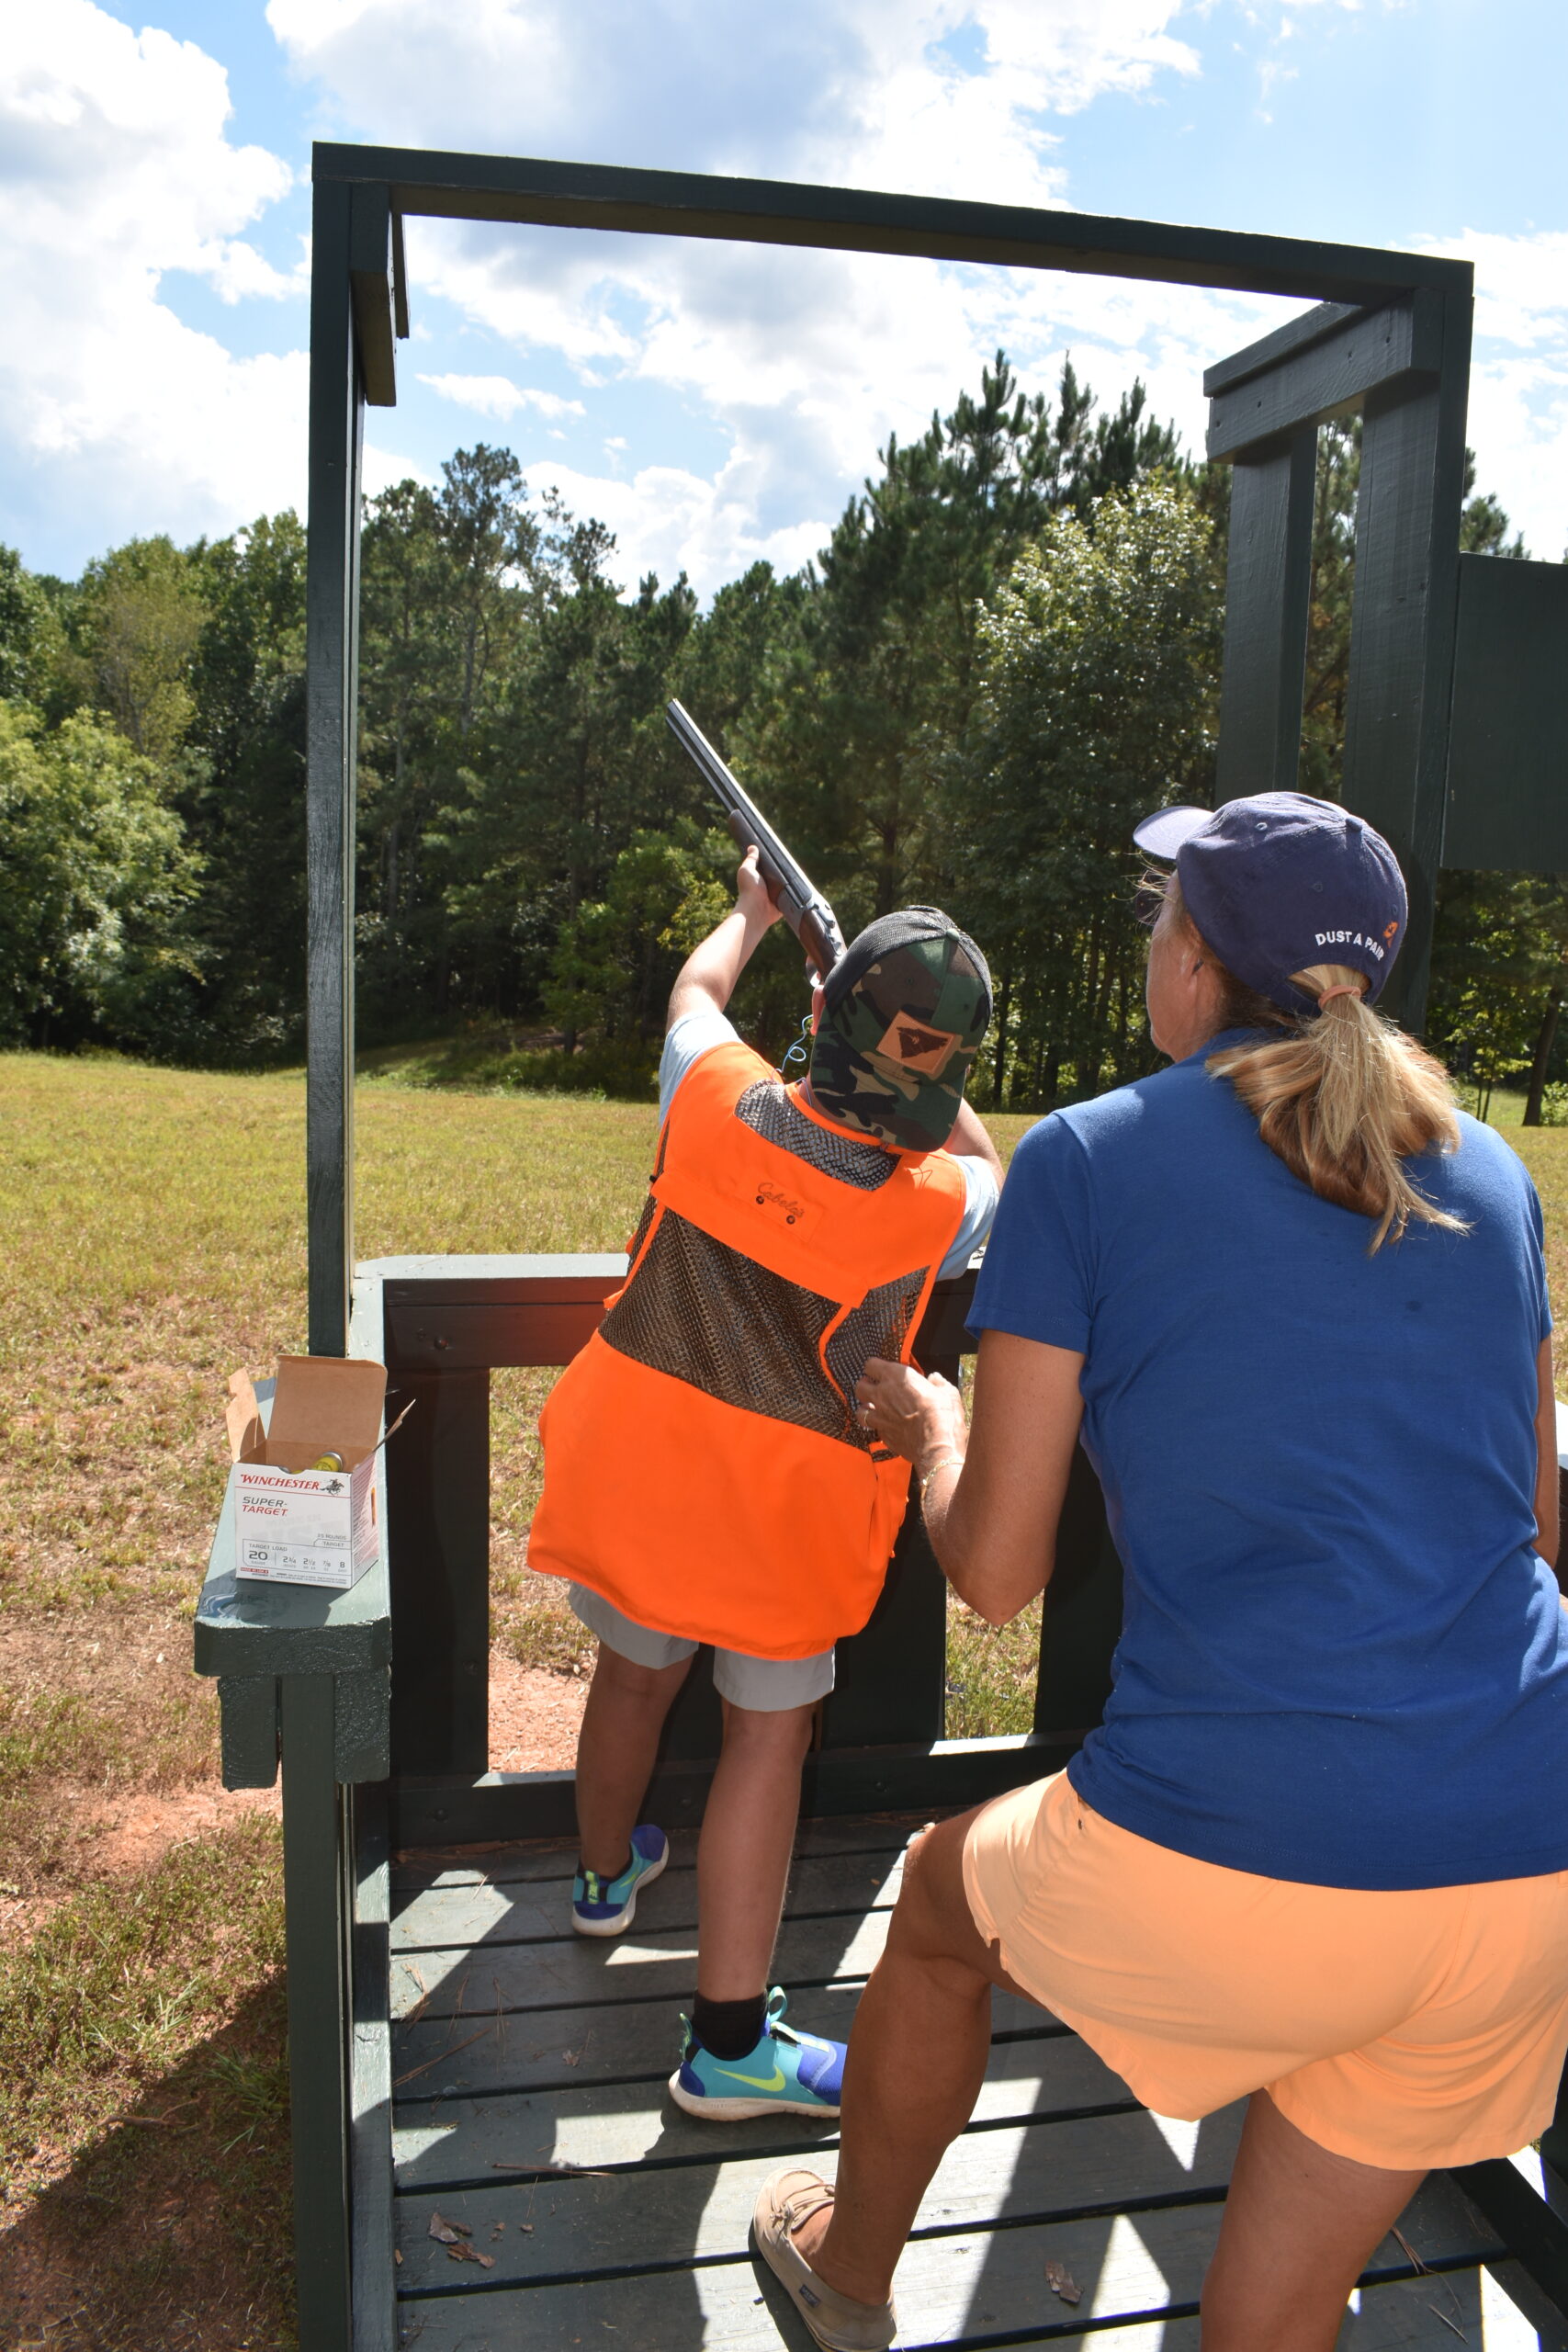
[(1008, 650)]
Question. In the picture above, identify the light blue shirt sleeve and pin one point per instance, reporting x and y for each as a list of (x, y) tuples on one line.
[(981, 1193), (694, 1035)]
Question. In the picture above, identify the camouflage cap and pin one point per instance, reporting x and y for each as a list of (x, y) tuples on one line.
[(907, 1008)]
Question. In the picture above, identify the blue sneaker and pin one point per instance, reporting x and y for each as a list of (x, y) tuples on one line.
[(787, 2074), (606, 1907)]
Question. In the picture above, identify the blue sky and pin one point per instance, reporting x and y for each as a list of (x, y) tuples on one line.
[(717, 403)]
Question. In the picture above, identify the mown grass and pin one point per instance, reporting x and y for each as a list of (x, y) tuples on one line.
[(143, 2101)]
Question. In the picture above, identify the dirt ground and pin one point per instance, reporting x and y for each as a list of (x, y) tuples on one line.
[(113, 1825)]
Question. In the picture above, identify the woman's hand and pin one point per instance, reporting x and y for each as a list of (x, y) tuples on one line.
[(921, 1419)]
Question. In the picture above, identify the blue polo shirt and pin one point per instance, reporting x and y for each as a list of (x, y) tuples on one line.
[(1343, 1661)]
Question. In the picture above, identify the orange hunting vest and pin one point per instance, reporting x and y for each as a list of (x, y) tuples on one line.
[(704, 1470)]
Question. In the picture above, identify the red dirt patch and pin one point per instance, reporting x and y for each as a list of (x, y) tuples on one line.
[(535, 1715)]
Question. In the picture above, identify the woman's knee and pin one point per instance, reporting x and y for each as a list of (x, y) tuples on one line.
[(933, 1918)]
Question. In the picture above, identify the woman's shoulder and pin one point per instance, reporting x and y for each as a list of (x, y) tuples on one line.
[(1484, 1164)]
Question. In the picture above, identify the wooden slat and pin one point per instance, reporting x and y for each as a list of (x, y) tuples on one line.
[(631, 1967), (439, 2142), (488, 1916), (725, 2306), (655, 2217), (967, 2278), (632, 2041), (550, 1858)]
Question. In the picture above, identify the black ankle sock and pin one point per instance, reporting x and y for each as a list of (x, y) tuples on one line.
[(728, 2028)]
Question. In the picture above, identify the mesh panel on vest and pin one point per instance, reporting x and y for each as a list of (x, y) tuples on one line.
[(704, 1314), (877, 1327), (768, 1110)]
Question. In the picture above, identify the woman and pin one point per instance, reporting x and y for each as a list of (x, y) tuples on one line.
[(1299, 1306)]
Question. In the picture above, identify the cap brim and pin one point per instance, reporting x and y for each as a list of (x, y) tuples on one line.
[(1162, 834)]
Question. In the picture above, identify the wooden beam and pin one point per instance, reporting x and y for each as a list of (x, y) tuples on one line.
[(1296, 335), (1398, 348), (370, 282), (1268, 602), (686, 204)]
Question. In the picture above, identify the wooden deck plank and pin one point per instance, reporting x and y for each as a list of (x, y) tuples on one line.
[(581, 1970), (439, 2142), (960, 2285), (662, 2214), (489, 1912), (573, 2045), (554, 1858), (717, 2310)]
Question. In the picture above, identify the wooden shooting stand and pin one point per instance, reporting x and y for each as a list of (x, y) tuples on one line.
[(454, 2048)]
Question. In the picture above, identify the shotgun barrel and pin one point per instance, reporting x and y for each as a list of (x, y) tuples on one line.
[(800, 902)]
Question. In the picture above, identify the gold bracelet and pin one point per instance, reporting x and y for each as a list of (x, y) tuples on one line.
[(946, 1462)]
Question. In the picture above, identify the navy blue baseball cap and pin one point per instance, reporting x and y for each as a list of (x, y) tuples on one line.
[(1281, 881)]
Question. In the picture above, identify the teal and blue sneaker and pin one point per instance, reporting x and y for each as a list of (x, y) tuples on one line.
[(606, 1907), (787, 2074)]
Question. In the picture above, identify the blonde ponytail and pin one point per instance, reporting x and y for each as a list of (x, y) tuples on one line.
[(1342, 1096)]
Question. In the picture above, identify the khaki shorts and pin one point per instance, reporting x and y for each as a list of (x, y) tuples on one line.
[(1420, 2027), (766, 1685)]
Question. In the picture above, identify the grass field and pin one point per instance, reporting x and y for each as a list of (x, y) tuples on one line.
[(154, 1240)]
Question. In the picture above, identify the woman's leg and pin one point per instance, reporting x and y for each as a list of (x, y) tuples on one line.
[(931, 1992), (743, 1853), (1300, 2225), (616, 1748)]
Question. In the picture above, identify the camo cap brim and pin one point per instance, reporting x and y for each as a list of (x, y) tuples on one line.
[(907, 1008)]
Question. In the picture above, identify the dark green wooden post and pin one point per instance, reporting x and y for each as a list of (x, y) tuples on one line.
[(1403, 622), (1268, 600), (313, 1859), (438, 1554), (331, 623)]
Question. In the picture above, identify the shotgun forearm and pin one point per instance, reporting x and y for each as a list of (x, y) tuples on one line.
[(804, 908)]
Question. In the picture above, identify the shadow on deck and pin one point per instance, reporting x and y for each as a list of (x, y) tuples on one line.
[(530, 2106)]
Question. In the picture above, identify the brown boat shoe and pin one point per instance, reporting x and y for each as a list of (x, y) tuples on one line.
[(837, 2322)]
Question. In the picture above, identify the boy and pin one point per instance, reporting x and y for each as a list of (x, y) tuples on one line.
[(707, 1476)]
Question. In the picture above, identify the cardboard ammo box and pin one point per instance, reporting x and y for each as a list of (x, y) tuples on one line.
[(294, 1524)]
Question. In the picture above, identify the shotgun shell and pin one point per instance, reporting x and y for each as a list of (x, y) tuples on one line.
[(328, 1462)]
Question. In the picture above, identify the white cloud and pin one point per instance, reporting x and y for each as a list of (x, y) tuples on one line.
[(796, 365), (499, 396), (1518, 385), (857, 90), (118, 170)]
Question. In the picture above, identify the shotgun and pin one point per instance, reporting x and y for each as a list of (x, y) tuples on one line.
[(804, 908)]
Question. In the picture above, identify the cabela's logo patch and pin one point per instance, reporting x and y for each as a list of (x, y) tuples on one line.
[(784, 1205), (914, 1044)]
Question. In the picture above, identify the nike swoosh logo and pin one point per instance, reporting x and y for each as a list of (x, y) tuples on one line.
[(774, 2082)]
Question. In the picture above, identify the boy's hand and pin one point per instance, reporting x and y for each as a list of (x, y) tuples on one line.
[(752, 896)]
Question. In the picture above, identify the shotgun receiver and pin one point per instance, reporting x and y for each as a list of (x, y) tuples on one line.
[(804, 908)]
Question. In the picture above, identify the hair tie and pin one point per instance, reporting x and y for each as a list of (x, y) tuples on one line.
[(1346, 988)]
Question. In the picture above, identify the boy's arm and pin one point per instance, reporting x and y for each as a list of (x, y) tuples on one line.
[(705, 981), (969, 1140)]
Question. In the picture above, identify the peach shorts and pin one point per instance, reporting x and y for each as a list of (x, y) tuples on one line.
[(1425, 2026)]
